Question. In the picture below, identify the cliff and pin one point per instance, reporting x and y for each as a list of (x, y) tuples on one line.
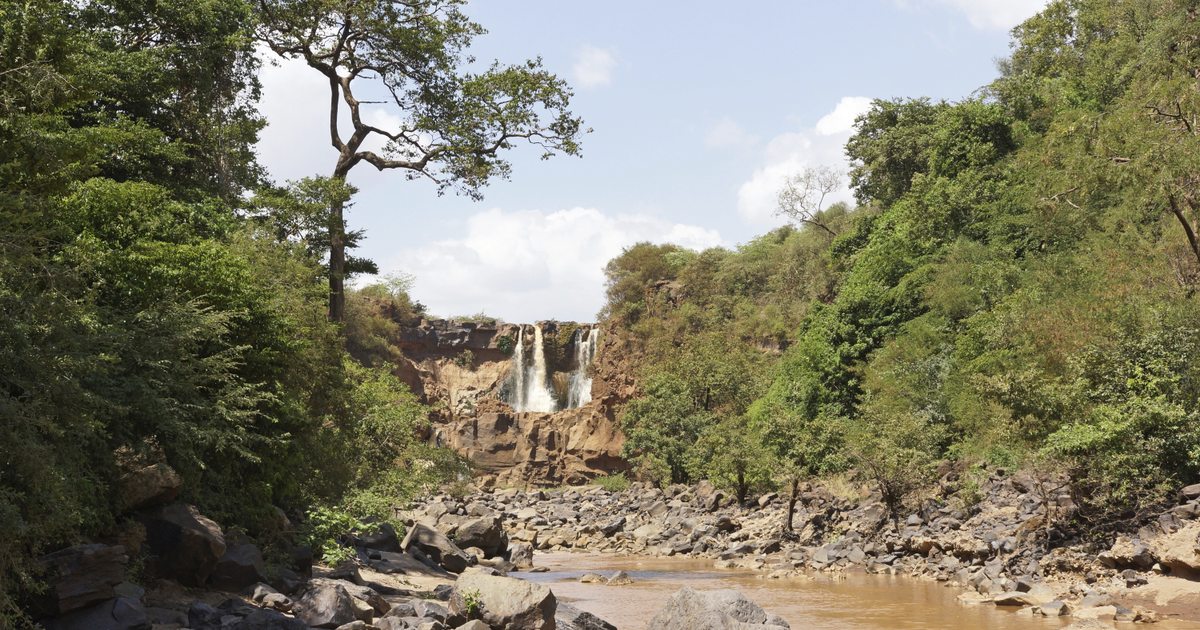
[(466, 371)]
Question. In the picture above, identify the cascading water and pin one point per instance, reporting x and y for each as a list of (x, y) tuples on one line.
[(528, 388), (579, 391), (531, 392)]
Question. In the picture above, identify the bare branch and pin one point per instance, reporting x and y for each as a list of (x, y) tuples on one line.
[(803, 195)]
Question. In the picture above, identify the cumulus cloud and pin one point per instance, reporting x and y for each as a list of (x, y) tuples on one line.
[(529, 265), (727, 134), (593, 67), (985, 14), (787, 153)]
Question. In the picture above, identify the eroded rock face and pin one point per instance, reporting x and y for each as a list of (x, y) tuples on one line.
[(503, 603), (565, 447)]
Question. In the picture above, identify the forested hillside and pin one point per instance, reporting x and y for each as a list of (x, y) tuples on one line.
[(163, 301), (1016, 287)]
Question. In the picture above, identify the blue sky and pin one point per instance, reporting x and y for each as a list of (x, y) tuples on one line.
[(699, 109)]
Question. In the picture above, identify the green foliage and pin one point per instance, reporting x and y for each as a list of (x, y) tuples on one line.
[(506, 343), (613, 483), (472, 601), (465, 360), (323, 530)]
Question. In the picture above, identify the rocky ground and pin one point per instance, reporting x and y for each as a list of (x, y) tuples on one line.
[(450, 568), (996, 550)]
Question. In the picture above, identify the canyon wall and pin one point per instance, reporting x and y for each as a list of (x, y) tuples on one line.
[(474, 374)]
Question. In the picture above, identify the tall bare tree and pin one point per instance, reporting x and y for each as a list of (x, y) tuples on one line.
[(802, 198), (454, 123)]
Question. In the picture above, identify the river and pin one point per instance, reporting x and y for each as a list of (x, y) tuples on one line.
[(852, 601)]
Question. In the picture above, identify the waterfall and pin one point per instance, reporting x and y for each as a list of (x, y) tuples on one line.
[(529, 389), (580, 390)]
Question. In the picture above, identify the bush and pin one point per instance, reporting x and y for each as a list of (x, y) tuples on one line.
[(613, 483), (465, 360), (506, 343)]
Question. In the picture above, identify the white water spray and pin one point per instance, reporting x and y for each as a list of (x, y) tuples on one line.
[(579, 391), (530, 389)]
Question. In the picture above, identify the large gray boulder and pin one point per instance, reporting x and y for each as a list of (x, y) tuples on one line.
[(124, 613), (81, 576), (486, 532), (503, 603), (241, 566), (325, 604), (521, 555), (382, 539), (568, 617), (440, 549), (689, 609), (185, 546)]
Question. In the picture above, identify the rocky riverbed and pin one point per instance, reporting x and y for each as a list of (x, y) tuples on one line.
[(1000, 551), (450, 568)]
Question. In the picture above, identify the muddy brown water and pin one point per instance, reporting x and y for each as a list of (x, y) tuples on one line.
[(848, 602)]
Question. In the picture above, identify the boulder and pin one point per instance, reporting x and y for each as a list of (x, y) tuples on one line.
[(620, 578), (365, 594), (689, 609), (152, 485), (521, 555), (241, 566), (487, 533), (592, 578), (503, 603), (81, 576), (383, 539), (185, 546), (1088, 624), (568, 617), (234, 614), (325, 604), (124, 613), (437, 547)]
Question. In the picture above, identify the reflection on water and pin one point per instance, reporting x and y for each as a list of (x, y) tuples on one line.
[(852, 602)]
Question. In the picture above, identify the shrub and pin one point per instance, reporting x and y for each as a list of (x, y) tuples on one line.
[(613, 483), (465, 360)]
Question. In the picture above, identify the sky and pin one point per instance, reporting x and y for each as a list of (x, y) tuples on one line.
[(698, 109)]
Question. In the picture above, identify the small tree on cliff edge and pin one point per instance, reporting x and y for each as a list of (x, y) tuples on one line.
[(453, 122)]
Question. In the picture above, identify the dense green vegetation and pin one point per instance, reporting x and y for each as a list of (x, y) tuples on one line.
[(1017, 286), (161, 300)]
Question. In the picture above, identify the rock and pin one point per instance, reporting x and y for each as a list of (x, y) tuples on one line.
[(81, 576), (354, 625), (234, 614), (620, 578), (1015, 598), (166, 616), (184, 545), (1092, 601), (568, 617), (383, 539), (1053, 609), (239, 567), (613, 526), (592, 578), (689, 609), (1191, 492), (325, 605), (504, 603), (152, 485), (520, 554), (487, 533), (123, 613), (476, 624), (1088, 624), (359, 592), (435, 545)]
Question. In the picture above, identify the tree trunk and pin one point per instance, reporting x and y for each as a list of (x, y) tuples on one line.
[(741, 487), (792, 504), (337, 264)]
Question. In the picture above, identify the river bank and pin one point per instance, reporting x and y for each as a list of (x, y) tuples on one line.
[(1002, 551)]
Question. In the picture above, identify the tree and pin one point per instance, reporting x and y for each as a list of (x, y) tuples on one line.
[(804, 193), (454, 123)]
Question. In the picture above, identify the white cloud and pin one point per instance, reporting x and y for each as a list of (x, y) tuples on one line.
[(593, 67), (985, 14), (727, 134), (787, 153), (524, 266), (841, 119)]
